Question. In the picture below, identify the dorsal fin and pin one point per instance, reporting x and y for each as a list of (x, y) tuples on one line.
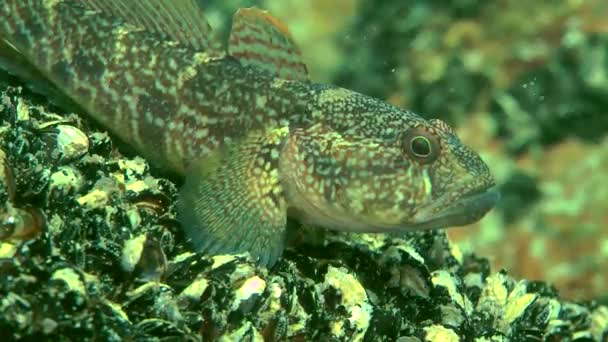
[(261, 40), (178, 20)]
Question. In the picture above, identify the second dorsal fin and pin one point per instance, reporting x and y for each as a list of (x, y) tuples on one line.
[(261, 40), (179, 20)]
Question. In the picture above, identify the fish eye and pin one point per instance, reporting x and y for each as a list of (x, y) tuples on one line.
[(421, 145)]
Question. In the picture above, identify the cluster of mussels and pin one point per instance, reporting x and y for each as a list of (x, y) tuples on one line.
[(90, 249)]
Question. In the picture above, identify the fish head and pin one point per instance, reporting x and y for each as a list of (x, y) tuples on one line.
[(373, 167), (458, 189)]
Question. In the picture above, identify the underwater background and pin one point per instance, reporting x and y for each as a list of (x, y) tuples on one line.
[(524, 84)]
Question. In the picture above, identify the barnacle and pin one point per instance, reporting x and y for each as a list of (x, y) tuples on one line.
[(72, 143), (144, 255)]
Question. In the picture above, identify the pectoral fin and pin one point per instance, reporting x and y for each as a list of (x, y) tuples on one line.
[(233, 202)]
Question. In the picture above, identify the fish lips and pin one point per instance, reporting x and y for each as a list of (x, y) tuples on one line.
[(466, 210)]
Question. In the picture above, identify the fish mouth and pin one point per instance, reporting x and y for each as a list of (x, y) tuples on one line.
[(466, 210)]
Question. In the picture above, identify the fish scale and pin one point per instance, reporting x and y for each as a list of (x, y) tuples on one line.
[(253, 137)]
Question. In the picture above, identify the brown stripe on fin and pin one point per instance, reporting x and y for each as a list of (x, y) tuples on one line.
[(179, 20), (232, 202), (261, 40)]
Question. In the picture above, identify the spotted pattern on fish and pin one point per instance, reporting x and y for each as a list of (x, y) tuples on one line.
[(253, 137)]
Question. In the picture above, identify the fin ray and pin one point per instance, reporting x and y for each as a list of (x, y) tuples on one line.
[(258, 39), (179, 20), (232, 202)]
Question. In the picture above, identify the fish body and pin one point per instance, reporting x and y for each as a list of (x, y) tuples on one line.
[(253, 137)]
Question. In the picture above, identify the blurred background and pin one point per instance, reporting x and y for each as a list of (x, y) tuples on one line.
[(523, 83)]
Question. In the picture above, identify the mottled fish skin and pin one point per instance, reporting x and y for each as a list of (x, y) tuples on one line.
[(173, 104), (258, 145)]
